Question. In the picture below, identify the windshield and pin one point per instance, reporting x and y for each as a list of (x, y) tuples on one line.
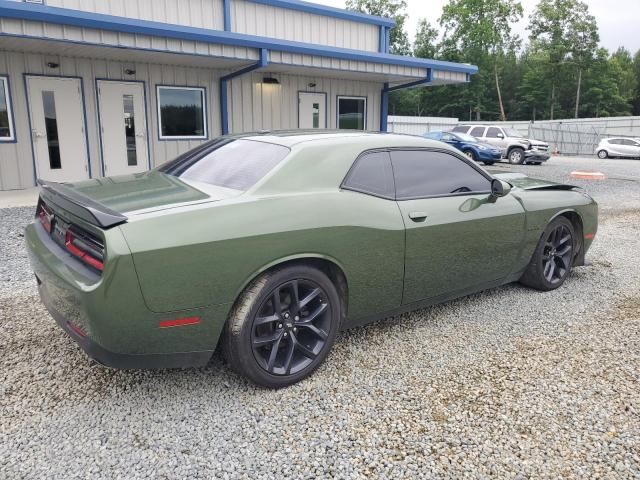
[(512, 133), (237, 164), (466, 138)]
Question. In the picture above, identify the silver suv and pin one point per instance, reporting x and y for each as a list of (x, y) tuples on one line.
[(516, 148)]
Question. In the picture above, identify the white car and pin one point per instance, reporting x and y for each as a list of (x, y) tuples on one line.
[(618, 147)]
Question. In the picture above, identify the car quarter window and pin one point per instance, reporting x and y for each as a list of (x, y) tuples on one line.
[(371, 173), (477, 132), (461, 129), (422, 173), (493, 132)]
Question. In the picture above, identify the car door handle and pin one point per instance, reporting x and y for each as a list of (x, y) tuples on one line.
[(418, 216)]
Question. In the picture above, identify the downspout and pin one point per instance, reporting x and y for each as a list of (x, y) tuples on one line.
[(224, 90), (227, 15), (384, 97)]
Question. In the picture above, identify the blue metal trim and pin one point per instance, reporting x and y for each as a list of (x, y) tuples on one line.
[(12, 119), (327, 11), (62, 16), (84, 114), (417, 83), (326, 105), (227, 15), (146, 117), (384, 108), (205, 114), (352, 97), (224, 91)]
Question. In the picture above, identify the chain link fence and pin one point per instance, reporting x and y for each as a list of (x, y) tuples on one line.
[(569, 139)]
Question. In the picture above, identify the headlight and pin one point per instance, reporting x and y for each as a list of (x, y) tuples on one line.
[(482, 147)]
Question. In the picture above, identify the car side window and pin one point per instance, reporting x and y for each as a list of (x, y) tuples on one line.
[(615, 141), (422, 173), (477, 132), (372, 174), (493, 132), (461, 129)]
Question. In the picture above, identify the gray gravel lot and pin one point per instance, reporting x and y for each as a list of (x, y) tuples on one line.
[(508, 383)]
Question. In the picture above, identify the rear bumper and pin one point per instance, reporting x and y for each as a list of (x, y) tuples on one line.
[(122, 360), (106, 315)]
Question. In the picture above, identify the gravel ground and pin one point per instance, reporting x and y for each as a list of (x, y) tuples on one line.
[(506, 383)]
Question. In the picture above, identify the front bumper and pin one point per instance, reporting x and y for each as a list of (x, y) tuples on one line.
[(489, 155), (536, 156)]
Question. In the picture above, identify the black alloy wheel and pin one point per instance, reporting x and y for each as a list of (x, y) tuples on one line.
[(291, 327), (557, 255), (553, 258)]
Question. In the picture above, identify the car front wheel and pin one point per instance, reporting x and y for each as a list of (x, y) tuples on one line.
[(470, 154), (516, 156), (553, 258), (602, 154), (283, 326)]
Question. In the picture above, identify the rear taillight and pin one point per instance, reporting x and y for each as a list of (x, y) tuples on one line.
[(86, 248), (45, 216)]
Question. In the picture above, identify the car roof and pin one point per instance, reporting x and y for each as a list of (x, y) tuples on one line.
[(290, 138)]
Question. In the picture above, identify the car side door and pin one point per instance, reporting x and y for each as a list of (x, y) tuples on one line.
[(495, 136), (458, 236)]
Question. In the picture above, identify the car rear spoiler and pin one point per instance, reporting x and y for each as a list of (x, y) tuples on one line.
[(80, 205)]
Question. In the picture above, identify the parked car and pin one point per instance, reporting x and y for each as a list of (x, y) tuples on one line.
[(518, 148), (271, 243), (470, 146), (618, 147)]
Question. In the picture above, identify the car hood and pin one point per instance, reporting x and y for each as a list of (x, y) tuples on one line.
[(527, 183), (149, 191)]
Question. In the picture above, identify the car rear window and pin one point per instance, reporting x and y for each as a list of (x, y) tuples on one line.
[(230, 163)]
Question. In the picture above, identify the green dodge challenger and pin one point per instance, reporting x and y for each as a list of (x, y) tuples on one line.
[(269, 244)]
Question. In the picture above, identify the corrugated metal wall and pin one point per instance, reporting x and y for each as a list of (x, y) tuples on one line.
[(265, 20), (258, 106), (253, 105), (16, 164), (195, 13)]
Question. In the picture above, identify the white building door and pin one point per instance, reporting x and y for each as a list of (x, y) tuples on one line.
[(56, 111), (123, 125), (312, 110)]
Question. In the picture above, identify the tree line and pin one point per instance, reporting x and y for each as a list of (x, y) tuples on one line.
[(558, 70)]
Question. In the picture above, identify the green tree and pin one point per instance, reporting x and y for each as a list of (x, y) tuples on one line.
[(481, 31), (426, 42), (636, 68), (568, 34), (395, 9), (603, 97)]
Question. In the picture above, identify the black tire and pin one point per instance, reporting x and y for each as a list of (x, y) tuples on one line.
[(470, 154), (516, 156), (488, 164), (550, 265), (603, 154), (251, 335)]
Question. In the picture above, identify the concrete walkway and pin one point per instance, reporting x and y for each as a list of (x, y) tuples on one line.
[(19, 198)]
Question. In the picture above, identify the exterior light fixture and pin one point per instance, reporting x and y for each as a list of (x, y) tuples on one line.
[(129, 71), (312, 85), (271, 81), (53, 64)]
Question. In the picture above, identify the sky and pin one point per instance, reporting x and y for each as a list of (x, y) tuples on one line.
[(618, 20)]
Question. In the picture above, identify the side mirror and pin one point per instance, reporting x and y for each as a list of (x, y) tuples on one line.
[(499, 188), (500, 135)]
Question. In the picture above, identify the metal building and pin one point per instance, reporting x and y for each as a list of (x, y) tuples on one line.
[(108, 87)]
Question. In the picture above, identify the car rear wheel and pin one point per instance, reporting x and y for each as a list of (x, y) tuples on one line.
[(553, 258), (516, 156), (602, 154), (283, 326)]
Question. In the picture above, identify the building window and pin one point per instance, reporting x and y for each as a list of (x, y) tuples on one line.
[(182, 113), (7, 133), (352, 113)]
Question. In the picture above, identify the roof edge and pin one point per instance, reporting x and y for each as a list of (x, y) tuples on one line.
[(328, 11), (63, 16)]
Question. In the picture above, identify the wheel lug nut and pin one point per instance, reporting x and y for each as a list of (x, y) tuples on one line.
[(279, 325), (295, 329), (296, 318), (285, 334)]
